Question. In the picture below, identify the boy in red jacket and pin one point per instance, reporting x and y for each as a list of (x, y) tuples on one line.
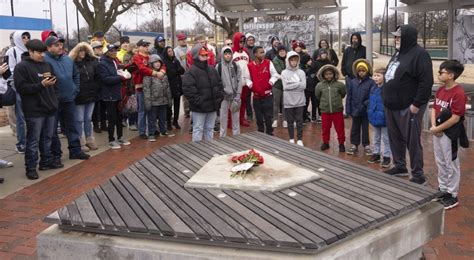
[(262, 77)]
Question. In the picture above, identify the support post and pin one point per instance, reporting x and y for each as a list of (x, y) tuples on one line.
[(316, 29), (173, 23), (368, 30), (339, 28), (12, 9), (241, 22), (450, 29), (78, 27)]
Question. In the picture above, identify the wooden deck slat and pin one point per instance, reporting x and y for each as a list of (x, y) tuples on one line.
[(74, 215), (176, 225), (87, 212), (100, 210), (131, 220), (64, 216)]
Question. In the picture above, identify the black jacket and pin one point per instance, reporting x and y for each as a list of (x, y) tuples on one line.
[(271, 54), (312, 74), (203, 88), (37, 100), (174, 70), (413, 78), (350, 55), (111, 81), (88, 86)]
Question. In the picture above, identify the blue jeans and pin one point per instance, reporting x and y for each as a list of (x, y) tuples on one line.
[(154, 113), (67, 112), (132, 118), (20, 124), (141, 113), (381, 136), (39, 132), (83, 119), (203, 124)]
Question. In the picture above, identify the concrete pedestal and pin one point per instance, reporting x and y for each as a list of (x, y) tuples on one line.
[(401, 238)]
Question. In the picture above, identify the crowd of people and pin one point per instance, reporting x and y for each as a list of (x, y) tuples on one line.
[(99, 86)]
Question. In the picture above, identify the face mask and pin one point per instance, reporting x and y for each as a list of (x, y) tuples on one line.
[(355, 45), (397, 45)]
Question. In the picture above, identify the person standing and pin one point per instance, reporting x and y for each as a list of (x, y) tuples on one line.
[(230, 72), (99, 117), (203, 88), (124, 43), (272, 52), (409, 79), (111, 78), (159, 46), (174, 71), (263, 76), (35, 81), (352, 53), (249, 45), (332, 56), (294, 85), (279, 62), (241, 58), (85, 62), (180, 52), (68, 82)]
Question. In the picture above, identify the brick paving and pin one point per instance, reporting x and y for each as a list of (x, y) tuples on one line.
[(21, 213)]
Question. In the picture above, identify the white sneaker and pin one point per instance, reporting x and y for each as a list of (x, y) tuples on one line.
[(285, 124), (123, 141), (292, 141), (5, 164), (300, 143), (114, 145), (151, 138), (275, 124)]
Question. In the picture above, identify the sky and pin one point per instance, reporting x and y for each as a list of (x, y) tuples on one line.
[(352, 16)]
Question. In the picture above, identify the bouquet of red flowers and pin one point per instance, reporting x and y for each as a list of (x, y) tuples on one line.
[(245, 162)]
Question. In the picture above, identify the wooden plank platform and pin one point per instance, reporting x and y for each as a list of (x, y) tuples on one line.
[(148, 200)]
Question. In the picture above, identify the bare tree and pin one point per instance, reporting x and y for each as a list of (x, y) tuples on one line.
[(154, 25), (100, 16)]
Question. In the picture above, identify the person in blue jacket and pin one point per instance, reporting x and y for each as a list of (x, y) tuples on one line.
[(356, 105), (376, 115), (68, 82)]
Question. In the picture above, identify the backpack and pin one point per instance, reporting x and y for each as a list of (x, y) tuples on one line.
[(219, 68)]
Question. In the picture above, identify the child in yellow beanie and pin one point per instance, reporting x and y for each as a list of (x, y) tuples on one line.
[(357, 101)]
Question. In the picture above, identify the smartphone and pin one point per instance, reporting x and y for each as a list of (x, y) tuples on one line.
[(5, 59)]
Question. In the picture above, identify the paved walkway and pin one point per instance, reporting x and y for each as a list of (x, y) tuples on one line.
[(21, 212)]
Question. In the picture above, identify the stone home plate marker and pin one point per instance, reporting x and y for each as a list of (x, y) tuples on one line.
[(273, 175)]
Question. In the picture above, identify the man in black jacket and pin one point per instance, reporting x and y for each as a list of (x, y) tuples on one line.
[(36, 83), (409, 79), (352, 53)]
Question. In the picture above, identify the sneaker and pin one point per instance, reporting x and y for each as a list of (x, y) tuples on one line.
[(324, 146), (292, 141), (143, 136), (168, 126), (306, 120), (386, 162), (176, 125), (375, 158), (51, 166), (123, 141), (151, 138), (133, 128), (342, 148), (300, 143), (285, 124), (275, 124), (114, 145), (167, 134), (419, 180), (124, 123), (250, 117), (20, 149), (441, 195), (397, 172), (5, 164), (353, 150), (449, 201), (79, 156), (244, 123), (367, 150), (313, 119), (32, 174)]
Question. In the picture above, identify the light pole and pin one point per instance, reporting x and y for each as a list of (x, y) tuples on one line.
[(67, 25), (11, 4), (78, 29)]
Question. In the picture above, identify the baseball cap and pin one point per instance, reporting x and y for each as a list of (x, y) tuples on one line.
[(98, 34), (203, 52), (109, 47), (181, 36), (124, 39), (160, 38), (143, 42), (398, 33), (96, 44), (51, 40)]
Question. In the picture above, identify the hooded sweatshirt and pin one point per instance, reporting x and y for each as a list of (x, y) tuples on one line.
[(249, 48), (294, 83), (156, 91), (280, 64), (240, 57), (14, 53), (202, 85), (272, 53), (68, 77), (38, 101), (350, 55), (358, 91), (173, 72), (409, 76), (87, 68), (231, 78)]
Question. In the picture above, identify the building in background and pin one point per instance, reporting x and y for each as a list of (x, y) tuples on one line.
[(34, 26)]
